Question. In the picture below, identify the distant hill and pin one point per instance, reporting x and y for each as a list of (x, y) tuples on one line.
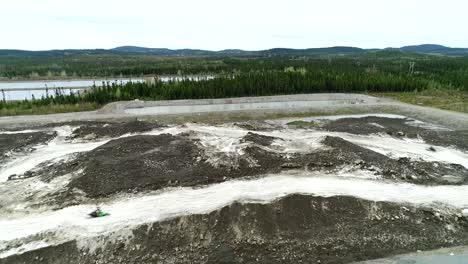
[(313, 51), (435, 49), (134, 50), (160, 51), (128, 50), (424, 48), (50, 53)]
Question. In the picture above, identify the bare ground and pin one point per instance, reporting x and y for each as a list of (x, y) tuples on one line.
[(295, 229)]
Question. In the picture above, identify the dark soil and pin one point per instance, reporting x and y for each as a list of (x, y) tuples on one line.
[(456, 139), (420, 172), (256, 126), (11, 143), (365, 126), (93, 130), (137, 163), (258, 139), (295, 229), (397, 127)]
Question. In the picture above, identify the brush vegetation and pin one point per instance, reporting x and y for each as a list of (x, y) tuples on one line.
[(438, 81)]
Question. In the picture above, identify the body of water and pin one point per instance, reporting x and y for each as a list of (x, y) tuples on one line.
[(11, 91), (21, 90)]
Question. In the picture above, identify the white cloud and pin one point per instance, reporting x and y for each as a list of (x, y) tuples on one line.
[(220, 24)]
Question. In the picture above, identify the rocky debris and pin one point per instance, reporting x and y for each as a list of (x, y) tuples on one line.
[(151, 162), (372, 124), (423, 172), (95, 130), (403, 169), (290, 165), (137, 163), (398, 127), (256, 126), (258, 139), (320, 164), (455, 139), (294, 229), (140, 162), (341, 154), (22, 142), (399, 133), (25, 175)]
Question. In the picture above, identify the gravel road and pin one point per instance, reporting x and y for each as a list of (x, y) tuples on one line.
[(249, 106)]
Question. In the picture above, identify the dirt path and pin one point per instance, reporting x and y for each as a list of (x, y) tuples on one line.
[(249, 107)]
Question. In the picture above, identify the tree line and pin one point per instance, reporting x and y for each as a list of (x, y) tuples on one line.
[(243, 84), (246, 76), (447, 71)]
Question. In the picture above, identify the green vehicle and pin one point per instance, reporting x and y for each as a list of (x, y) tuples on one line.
[(98, 213)]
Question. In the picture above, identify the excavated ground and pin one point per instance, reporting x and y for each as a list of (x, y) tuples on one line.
[(399, 127), (153, 162), (95, 130), (24, 142), (295, 229)]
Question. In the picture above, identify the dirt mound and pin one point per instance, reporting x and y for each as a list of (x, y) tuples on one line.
[(138, 163), (131, 163), (373, 124), (256, 125), (345, 153), (93, 130), (295, 229), (258, 139), (398, 127), (457, 139), (21, 142)]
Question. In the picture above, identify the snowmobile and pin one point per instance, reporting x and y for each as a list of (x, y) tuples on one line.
[(98, 213)]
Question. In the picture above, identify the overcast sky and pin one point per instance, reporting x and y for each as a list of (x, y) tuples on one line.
[(227, 24)]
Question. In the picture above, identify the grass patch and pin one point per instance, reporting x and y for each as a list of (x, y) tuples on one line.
[(48, 109), (443, 99)]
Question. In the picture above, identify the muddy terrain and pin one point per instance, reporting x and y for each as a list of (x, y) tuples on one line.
[(400, 127), (296, 229), (311, 190), (23, 142)]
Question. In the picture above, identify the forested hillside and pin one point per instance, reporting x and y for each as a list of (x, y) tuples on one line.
[(235, 76)]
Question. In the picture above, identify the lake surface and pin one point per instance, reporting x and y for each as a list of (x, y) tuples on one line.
[(27, 89), (28, 94), (58, 84)]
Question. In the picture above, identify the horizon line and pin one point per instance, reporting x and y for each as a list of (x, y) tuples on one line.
[(246, 50)]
